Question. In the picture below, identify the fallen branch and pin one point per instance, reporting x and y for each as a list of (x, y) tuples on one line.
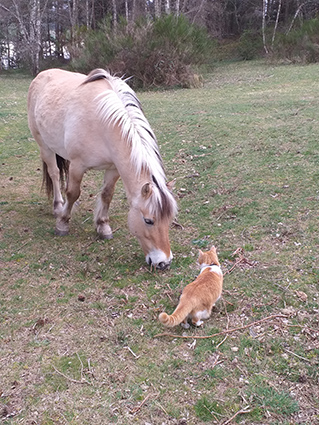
[(234, 266), (227, 331), (242, 259)]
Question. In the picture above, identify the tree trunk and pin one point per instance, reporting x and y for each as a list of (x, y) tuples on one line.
[(276, 25), (177, 7), (114, 15), (264, 25), (74, 16), (157, 8), (87, 14), (35, 35), (126, 11), (295, 17), (167, 7)]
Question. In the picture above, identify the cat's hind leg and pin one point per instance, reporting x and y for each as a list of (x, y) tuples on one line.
[(185, 324), (198, 323), (198, 316)]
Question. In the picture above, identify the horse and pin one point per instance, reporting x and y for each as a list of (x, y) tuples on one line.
[(95, 121)]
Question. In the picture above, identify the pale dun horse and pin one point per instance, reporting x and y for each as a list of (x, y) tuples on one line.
[(96, 122)]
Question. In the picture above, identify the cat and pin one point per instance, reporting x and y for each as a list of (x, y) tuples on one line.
[(199, 296)]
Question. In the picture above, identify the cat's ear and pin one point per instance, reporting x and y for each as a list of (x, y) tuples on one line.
[(200, 252)]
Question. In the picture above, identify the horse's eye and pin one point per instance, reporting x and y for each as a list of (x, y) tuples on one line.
[(148, 221)]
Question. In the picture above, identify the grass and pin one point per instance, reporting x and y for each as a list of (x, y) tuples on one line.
[(78, 316)]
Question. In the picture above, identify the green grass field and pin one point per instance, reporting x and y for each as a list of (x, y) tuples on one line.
[(78, 316)]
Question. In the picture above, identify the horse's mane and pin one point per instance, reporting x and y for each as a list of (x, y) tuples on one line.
[(121, 106)]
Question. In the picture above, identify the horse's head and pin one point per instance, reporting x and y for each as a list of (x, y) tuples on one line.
[(149, 219)]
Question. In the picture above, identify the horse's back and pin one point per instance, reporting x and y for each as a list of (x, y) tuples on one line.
[(50, 82), (62, 112), (47, 97)]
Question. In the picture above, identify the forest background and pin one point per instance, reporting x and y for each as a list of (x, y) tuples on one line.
[(159, 42)]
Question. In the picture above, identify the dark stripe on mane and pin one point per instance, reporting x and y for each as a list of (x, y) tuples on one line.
[(95, 75), (153, 137)]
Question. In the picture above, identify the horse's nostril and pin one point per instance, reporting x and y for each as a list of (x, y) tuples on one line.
[(162, 265)]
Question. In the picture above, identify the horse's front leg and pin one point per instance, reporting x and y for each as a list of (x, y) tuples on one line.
[(72, 193), (101, 214)]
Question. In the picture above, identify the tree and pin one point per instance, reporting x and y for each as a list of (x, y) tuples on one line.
[(28, 19)]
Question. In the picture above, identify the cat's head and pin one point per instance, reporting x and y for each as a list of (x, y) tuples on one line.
[(208, 257)]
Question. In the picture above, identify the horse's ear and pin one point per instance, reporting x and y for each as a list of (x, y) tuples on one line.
[(170, 185), (147, 190)]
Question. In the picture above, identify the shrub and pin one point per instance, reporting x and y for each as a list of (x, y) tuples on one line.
[(300, 45), (163, 52), (250, 45)]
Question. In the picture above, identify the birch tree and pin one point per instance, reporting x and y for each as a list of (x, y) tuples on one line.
[(29, 23)]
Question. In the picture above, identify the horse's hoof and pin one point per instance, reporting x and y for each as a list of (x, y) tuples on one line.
[(107, 236), (58, 232)]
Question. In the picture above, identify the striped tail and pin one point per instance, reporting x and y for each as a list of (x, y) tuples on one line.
[(180, 314), (63, 166)]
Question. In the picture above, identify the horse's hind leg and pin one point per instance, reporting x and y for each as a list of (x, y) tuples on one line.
[(72, 193), (51, 178), (101, 215)]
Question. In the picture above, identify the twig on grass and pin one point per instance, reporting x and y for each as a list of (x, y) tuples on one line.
[(304, 328), (227, 326), (22, 246), (132, 352), (227, 331), (161, 407), (226, 313), (212, 412), (241, 260), (176, 224), (222, 342), (75, 381), (137, 408), (241, 411), (296, 355), (82, 369)]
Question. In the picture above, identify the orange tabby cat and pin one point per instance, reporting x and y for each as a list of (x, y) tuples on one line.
[(199, 296)]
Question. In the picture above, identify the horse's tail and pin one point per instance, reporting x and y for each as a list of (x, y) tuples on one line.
[(63, 166), (181, 312)]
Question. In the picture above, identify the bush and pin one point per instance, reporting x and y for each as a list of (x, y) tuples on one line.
[(300, 45), (250, 45), (163, 52)]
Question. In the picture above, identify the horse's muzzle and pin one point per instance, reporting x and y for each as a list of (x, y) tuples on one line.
[(162, 265)]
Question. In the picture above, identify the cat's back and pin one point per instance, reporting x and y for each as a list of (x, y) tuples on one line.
[(209, 280)]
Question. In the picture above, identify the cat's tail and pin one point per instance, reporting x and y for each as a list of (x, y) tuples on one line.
[(181, 312)]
